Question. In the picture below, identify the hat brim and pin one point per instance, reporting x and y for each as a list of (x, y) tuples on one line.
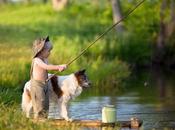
[(42, 46)]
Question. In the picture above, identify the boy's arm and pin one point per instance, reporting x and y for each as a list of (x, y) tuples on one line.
[(43, 65)]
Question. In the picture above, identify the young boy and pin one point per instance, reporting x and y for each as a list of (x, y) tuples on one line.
[(39, 94)]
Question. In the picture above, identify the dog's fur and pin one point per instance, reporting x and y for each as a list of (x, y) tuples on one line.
[(61, 90)]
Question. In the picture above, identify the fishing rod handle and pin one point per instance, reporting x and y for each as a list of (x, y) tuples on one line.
[(57, 72)]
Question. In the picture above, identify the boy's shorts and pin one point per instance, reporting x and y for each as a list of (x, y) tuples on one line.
[(40, 98)]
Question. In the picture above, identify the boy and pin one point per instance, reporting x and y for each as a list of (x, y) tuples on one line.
[(39, 74)]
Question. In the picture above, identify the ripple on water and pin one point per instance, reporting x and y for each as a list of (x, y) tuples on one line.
[(126, 107)]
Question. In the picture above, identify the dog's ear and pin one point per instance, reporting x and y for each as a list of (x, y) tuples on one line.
[(47, 39), (83, 71), (80, 72), (77, 73)]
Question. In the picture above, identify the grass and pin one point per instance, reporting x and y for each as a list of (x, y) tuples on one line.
[(69, 30), (12, 118)]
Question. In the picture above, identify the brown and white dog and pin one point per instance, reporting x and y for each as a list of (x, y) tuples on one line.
[(61, 90)]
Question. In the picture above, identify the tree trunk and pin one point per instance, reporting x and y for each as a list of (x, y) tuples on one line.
[(171, 26), (166, 32), (3, 1), (45, 1), (117, 14), (162, 32), (59, 4), (160, 47)]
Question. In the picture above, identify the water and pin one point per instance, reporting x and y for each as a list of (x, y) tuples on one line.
[(148, 95)]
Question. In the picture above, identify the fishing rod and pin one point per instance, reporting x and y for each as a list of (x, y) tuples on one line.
[(100, 36)]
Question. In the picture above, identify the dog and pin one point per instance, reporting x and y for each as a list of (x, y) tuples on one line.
[(61, 90)]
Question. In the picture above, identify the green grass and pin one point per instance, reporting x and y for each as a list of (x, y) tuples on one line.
[(12, 118), (70, 32)]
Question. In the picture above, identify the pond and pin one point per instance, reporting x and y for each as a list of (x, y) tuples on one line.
[(148, 95)]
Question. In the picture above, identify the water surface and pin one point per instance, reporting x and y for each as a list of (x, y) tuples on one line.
[(148, 95)]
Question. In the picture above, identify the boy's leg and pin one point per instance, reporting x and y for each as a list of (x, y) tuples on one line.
[(38, 99), (33, 96), (46, 90)]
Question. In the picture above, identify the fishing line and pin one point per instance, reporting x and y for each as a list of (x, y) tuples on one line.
[(100, 36)]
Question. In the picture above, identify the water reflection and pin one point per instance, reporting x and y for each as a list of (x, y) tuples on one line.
[(153, 102)]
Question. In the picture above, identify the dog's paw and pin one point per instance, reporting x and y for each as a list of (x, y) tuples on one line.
[(28, 115), (69, 119)]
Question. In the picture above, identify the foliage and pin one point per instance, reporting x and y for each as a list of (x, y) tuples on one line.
[(71, 30)]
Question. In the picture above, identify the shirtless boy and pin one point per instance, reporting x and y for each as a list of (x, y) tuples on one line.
[(41, 48)]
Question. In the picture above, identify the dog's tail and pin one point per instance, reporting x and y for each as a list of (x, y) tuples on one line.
[(26, 96)]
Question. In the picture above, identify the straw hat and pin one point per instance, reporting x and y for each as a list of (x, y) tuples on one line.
[(38, 45)]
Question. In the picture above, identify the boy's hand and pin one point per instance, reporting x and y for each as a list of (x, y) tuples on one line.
[(62, 67)]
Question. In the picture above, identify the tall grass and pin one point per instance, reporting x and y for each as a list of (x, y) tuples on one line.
[(12, 118), (70, 32)]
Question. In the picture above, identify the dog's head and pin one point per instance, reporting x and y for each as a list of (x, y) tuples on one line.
[(82, 78)]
